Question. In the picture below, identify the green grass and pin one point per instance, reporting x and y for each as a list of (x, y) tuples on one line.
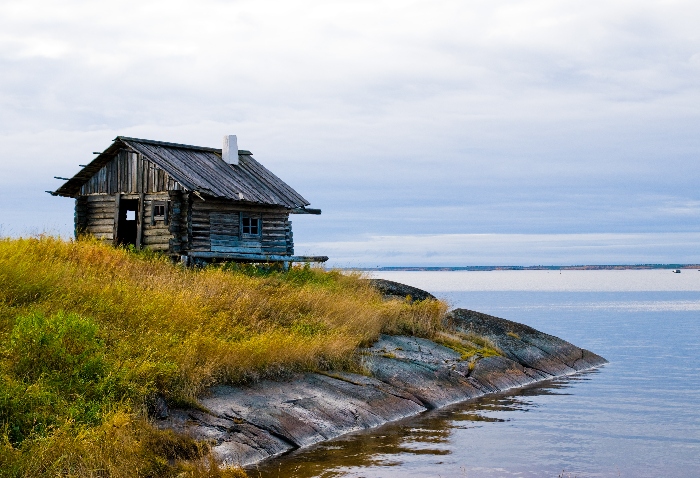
[(90, 333), (470, 347)]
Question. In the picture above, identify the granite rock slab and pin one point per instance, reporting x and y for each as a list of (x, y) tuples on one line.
[(405, 376)]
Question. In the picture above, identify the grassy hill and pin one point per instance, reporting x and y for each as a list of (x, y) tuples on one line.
[(90, 334)]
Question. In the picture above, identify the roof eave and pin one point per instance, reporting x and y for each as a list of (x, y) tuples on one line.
[(71, 188)]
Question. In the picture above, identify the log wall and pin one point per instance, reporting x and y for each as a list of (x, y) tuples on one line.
[(95, 215), (215, 227), (190, 224), (178, 227), (80, 216)]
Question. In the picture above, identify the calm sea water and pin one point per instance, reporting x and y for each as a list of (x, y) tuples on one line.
[(638, 416)]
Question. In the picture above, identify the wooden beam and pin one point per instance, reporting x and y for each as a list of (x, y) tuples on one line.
[(256, 257), (139, 223), (196, 193), (304, 210), (117, 199)]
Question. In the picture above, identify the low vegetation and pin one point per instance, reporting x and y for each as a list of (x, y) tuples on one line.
[(90, 335), (470, 347)]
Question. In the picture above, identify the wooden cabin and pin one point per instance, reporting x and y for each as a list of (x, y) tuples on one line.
[(194, 203)]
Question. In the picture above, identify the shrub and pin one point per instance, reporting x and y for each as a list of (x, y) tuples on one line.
[(61, 345), (54, 370)]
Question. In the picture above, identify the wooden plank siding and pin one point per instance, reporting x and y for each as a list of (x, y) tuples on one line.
[(129, 173), (215, 227)]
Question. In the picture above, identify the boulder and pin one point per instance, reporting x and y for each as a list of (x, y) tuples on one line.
[(396, 290)]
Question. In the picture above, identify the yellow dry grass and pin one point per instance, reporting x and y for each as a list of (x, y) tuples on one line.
[(128, 326)]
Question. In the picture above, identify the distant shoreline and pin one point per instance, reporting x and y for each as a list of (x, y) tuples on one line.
[(530, 268)]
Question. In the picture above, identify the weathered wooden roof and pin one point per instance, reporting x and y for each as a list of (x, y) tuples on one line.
[(199, 169)]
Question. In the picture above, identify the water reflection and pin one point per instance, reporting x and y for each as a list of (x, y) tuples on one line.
[(428, 438)]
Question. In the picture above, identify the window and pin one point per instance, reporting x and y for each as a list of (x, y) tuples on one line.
[(159, 212), (250, 226)]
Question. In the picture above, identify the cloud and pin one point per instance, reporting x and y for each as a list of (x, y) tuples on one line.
[(386, 58), (394, 117)]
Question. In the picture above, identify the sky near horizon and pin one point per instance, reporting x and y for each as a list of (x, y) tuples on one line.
[(429, 133)]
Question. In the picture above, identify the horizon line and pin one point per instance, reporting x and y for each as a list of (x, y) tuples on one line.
[(533, 267)]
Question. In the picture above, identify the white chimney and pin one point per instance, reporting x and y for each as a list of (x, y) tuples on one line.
[(230, 150)]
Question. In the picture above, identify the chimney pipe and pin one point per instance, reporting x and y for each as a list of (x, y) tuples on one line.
[(229, 153)]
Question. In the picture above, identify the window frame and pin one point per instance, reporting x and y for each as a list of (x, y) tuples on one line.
[(164, 217), (249, 235)]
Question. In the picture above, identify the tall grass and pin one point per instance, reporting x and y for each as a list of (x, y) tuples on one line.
[(89, 333)]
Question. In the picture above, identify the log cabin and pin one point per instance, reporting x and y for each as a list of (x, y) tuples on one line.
[(193, 203)]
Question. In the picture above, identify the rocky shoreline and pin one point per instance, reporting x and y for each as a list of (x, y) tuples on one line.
[(405, 376)]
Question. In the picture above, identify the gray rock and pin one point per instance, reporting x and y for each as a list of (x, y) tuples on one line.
[(531, 348), (432, 373), (396, 290), (500, 373), (157, 407), (234, 442), (407, 376), (247, 424)]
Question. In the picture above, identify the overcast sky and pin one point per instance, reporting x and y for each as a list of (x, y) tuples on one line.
[(428, 132)]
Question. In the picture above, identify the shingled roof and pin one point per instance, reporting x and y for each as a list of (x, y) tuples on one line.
[(199, 169)]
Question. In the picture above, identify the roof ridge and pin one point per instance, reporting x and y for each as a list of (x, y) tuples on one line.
[(164, 143), (179, 145)]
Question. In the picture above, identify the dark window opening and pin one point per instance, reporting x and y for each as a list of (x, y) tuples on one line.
[(250, 226), (159, 211)]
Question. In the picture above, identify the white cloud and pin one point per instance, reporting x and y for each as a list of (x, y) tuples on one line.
[(538, 116)]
